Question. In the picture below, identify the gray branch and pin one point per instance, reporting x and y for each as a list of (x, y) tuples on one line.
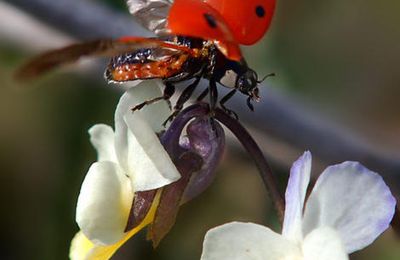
[(277, 115), (81, 18)]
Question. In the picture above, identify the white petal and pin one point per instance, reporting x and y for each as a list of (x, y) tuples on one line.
[(354, 201), (324, 244), (150, 166), (239, 241), (155, 114), (104, 203), (294, 197), (102, 138)]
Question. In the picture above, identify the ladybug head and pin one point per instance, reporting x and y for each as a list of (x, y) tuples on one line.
[(247, 84)]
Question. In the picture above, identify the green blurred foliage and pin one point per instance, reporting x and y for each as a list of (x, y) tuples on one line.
[(115, 4), (341, 56)]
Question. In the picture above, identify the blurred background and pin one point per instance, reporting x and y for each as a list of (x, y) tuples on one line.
[(339, 59)]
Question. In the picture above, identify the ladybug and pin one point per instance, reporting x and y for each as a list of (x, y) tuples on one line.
[(196, 39)]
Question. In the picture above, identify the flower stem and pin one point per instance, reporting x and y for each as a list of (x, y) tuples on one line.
[(171, 137), (252, 148)]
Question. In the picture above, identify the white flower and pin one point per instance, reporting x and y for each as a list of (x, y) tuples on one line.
[(131, 159), (349, 207)]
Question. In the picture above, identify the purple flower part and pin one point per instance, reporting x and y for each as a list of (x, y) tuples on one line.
[(354, 201), (295, 196), (171, 142), (171, 197), (170, 139), (141, 205), (207, 139)]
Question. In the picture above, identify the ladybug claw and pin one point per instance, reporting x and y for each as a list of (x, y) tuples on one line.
[(138, 107), (231, 113), (170, 118)]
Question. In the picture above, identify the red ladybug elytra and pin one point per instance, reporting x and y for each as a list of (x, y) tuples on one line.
[(197, 39), (248, 19), (231, 22)]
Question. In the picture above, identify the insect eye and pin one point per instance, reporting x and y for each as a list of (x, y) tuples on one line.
[(247, 81)]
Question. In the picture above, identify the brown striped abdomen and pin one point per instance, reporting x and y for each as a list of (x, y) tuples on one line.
[(161, 69)]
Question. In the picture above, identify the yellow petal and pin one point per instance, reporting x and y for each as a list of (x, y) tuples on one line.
[(83, 249)]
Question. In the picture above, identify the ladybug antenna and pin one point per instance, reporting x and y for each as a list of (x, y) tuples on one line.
[(265, 77)]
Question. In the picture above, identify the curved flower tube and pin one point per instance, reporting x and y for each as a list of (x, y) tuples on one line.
[(348, 208), (131, 159)]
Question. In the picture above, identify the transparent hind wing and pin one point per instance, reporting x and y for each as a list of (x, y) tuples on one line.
[(151, 14), (50, 60)]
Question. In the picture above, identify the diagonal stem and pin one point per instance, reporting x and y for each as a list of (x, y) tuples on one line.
[(202, 109), (252, 148)]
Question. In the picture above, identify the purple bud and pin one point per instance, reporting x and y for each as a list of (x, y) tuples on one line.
[(196, 157), (206, 138)]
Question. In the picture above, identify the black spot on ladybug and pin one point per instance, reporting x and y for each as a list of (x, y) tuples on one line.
[(210, 20), (260, 11)]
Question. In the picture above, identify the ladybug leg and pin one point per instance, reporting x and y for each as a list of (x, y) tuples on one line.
[(213, 101), (202, 95), (212, 87), (169, 90), (186, 94), (183, 98), (224, 100), (249, 104), (213, 94)]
